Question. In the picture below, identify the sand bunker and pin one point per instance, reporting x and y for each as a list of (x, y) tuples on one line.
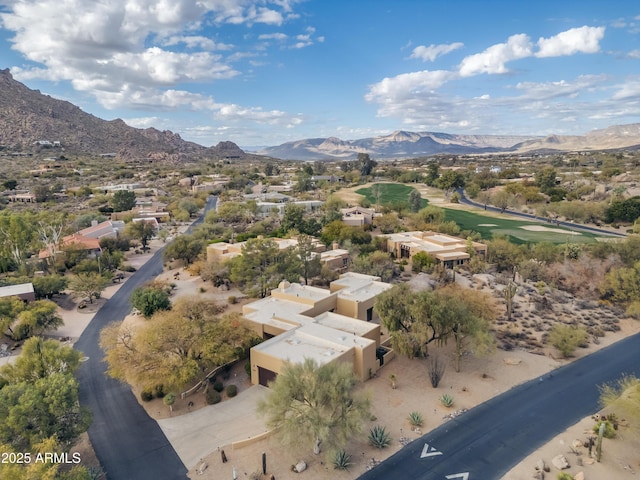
[(487, 225), (540, 228)]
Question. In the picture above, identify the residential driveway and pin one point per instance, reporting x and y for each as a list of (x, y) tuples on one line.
[(195, 435)]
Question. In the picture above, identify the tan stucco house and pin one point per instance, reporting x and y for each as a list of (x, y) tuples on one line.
[(300, 321)]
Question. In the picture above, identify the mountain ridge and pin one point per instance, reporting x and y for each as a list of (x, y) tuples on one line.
[(28, 116)]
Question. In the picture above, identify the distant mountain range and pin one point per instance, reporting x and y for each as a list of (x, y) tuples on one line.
[(402, 144), (27, 117)]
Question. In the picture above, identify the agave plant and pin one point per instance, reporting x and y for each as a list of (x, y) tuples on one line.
[(415, 419), (341, 460), (379, 437), (446, 400)]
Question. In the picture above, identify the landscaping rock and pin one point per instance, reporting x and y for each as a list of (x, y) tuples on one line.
[(512, 361), (579, 476), (539, 475), (560, 462), (542, 465), (300, 467)]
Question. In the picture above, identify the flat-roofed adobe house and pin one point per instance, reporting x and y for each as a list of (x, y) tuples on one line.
[(446, 249), (300, 321)]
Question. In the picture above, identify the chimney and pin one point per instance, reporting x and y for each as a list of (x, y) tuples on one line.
[(94, 223)]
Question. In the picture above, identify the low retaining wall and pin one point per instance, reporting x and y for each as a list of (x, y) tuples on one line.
[(250, 440)]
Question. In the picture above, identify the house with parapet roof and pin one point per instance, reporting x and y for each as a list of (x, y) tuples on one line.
[(445, 249), (23, 291), (300, 321)]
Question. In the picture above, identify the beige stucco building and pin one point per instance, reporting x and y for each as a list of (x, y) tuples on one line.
[(446, 249), (300, 321)]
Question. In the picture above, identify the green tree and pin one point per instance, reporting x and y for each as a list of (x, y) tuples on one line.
[(450, 180), (436, 316), (186, 248), (10, 184), (31, 412), (295, 217), (188, 205), (545, 178), (309, 258), (49, 285), (621, 285), (88, 285), (143, 231), (378, 264), (566, 338), (123, 200), (366, 164), (149, 300), (177, 347), (40, 358), (433, 173), (415, 200), (262, 266), (315, 405), (35, 319), (10, 307)]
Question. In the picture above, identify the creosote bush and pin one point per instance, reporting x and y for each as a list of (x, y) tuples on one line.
[(146, 395), (232, 391), (212, 397)]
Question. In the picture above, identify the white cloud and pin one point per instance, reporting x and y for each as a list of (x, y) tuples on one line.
[(430, 53), (195, 41), (274, 36), (493, 59), (575, 40), (392, 89)]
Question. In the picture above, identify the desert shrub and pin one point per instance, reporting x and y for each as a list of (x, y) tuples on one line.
[(232, 300), (341, 460), (232, 391), (218, 386), (446, 400), (213, 397), (247, 368), (158, 391), (379, 437), (565, 476), (415, 419), (609, 431), (567, 338), (146, 395)]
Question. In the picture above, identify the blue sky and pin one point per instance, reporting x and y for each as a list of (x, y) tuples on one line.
[(270, 71)]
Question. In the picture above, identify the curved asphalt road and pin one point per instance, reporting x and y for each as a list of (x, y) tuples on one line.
[(528, 216), (487, 441), (129, 444)]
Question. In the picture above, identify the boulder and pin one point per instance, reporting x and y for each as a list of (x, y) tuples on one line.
[(300, 467), (512, 361), (541, 465), (539, 475), (560, 462), (577, 444), (579, 476)]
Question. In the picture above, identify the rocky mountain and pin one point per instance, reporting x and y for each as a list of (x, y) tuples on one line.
[(28, 117), (403, 144)]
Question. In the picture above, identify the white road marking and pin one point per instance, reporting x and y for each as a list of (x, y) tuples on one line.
[(428, 451)]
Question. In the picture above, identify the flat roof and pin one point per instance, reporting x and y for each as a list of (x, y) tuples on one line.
[(20, 289), (364, 292), (297, 345), (302, 291), (275, 311), (345, 324)]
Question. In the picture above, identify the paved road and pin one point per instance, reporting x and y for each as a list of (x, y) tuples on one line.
[(528, 216), (487, 441), (129, 444)]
